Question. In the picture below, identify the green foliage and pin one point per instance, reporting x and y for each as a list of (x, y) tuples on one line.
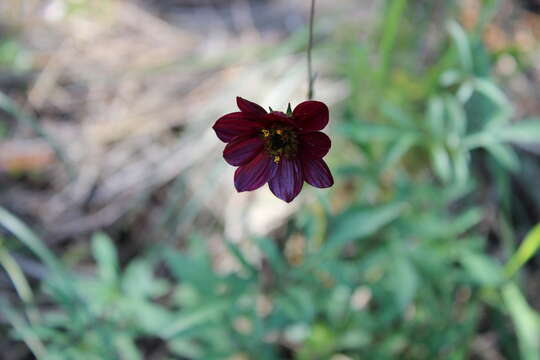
[(399, 268), (526, 320), (528, 248), (360, 222), (13, 56)]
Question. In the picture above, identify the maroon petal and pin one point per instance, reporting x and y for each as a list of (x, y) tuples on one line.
[(249, 107), (278, 116), (287, 182), (311, 115), (254, 174), (242, 150), (317, 173), (314, 145), (235, 124)]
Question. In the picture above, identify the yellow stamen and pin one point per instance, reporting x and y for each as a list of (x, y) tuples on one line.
[(277, 159), (279, 132), (266, 133)]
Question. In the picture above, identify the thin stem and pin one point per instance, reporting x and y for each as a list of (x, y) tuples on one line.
[(311, 77)]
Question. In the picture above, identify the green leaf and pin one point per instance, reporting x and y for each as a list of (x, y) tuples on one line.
[(106, 257), (465, 91), (338, 303), (185, 348), (526, 322), (461, 41), (524, 131), (139, 282), (465, 221), (489, 9), (403, 281), (194, 267), (127, 348), (482, 67), (441, 162), (360, 222), (397, 151), (16, 275), (456, 115), (270, 250), (319, 344), (363, 132), (504, 154), (14, 56), (298, 303), (482, 268), (237, 253), (396, 114), (28, 238), (492, 92), (451, 77), (144, 316), (393, 14), (435, 115), (483, 112), (461, 166), (27, 334), (526, 250), (195, 317), (62, 279)]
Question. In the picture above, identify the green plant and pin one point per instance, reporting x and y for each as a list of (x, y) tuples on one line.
[(400, 260)]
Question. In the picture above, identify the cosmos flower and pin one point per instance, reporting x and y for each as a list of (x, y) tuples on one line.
[(282, 149)]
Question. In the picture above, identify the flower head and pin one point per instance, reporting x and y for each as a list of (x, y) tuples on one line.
[(282, 149)]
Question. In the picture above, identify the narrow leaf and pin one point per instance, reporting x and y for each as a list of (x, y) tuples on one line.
[(357, 223), (524, 131), (526, 250), (195, 318), (461, 41), (525, 321)]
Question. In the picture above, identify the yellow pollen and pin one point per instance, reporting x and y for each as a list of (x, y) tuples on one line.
[(279, 132), (266, 133), (276, 159)]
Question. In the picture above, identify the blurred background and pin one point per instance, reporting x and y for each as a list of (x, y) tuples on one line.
[(121, 234)]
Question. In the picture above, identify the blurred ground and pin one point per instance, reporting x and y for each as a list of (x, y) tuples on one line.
[(129, 91)]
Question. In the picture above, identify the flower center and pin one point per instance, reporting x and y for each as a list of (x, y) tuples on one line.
[(280, 141)]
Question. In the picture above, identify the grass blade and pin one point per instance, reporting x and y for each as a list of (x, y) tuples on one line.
[(526, 322), (29, 337), (194, 318), (28, 238), (526, 250), (462, 43), (395, 11), (19, 281)]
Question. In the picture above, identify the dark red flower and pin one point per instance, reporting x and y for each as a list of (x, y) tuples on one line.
[(283, 150)]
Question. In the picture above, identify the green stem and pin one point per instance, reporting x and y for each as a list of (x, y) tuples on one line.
[(394, 13), (311, 77)]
